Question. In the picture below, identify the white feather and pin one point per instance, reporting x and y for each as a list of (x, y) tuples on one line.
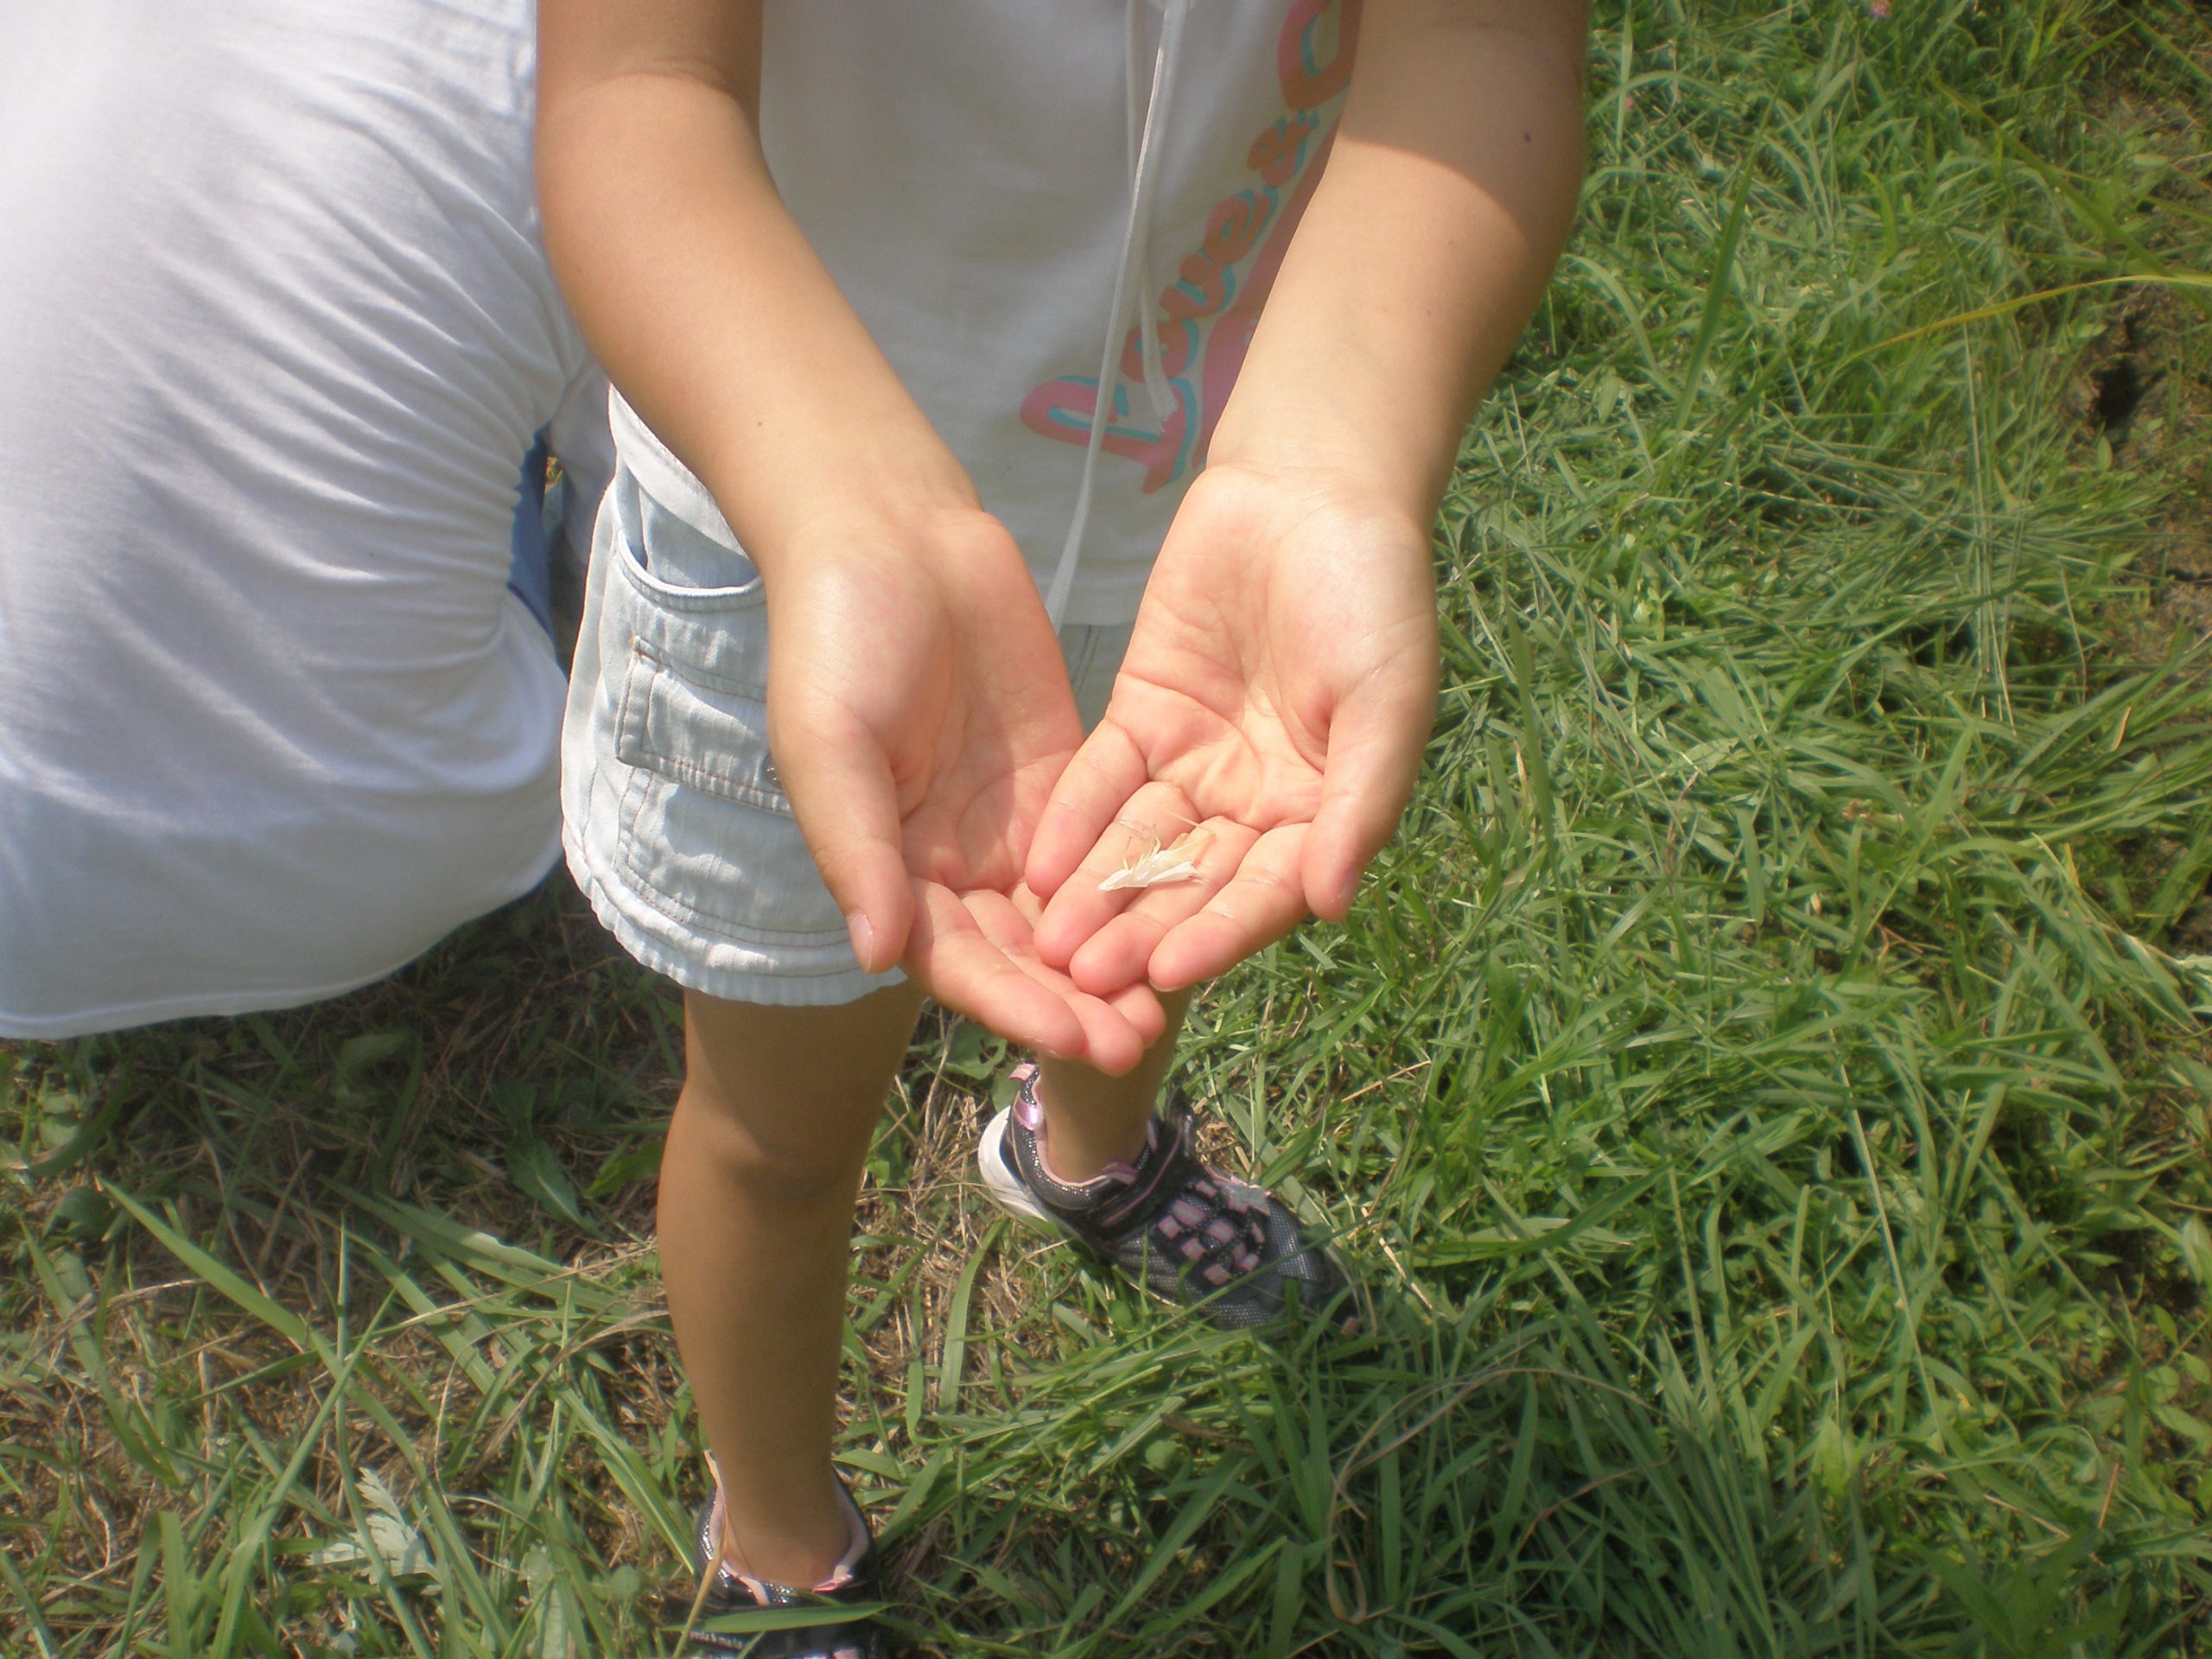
[(1162, 866)]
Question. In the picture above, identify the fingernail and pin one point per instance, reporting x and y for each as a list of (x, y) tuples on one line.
[(864, 933)]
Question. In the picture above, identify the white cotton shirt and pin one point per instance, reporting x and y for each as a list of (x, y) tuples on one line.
[(276, 334), (963, 168)]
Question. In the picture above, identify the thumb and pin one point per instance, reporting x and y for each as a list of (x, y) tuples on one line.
[(847, 805), (1376, 741)]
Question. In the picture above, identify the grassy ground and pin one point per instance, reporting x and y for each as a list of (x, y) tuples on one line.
[(1768, 1082)]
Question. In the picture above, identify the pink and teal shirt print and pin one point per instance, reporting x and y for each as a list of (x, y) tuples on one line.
[(1206, 316)]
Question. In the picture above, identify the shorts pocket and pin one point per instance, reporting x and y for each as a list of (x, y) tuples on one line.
[(715, 739), (682, 564), (691, 601), (707, 832)]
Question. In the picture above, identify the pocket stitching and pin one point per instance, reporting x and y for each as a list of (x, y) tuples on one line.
[(744, 597), (634, 748)]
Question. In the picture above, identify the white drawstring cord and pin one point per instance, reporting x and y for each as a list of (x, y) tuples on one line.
[(1148, 141), (1138, 126)]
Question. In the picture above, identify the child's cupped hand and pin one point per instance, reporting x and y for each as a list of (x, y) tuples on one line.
[(919, 715), (1277, 693)]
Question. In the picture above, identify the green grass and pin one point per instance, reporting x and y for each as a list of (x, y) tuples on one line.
[(1768, 1082)]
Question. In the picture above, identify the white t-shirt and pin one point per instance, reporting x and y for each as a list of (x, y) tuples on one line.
[(965, 171), (275, 334)]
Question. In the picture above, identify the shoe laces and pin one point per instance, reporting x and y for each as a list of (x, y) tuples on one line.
[(1218, 1224)]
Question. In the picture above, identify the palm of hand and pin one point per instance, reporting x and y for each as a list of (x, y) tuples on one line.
[(1276, 694), (973, 759), (920, 715)]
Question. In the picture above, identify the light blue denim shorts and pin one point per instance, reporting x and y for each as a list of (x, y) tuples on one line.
[(676, 824)]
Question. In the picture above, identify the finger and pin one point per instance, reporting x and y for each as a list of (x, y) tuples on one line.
[(1119, 951), (1376, 741), (952, 958), (1262, 902), (1140, 1005), (1106, 770), (1156, 815), (1111, 1043), (841, 791), (1128, 997)]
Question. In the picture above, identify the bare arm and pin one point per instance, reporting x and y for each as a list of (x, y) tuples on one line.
[(1282, 677), (698, 292), (917, 703), (1428, 243)]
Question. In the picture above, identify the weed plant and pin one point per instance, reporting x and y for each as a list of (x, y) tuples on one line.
[(1765, 1084)]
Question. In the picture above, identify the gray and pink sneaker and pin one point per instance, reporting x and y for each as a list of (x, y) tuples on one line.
[(1186, 1232)]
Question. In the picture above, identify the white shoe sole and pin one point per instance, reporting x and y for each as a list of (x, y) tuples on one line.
[(1004, 1186)]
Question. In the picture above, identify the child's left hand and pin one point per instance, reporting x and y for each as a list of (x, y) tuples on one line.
[(1277, 693), (1282, 676)]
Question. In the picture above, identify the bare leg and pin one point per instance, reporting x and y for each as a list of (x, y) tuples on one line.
[(757, 1188), (1092, 1120)]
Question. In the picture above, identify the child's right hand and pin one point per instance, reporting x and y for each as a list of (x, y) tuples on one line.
[(918, 706), (920, 715)]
